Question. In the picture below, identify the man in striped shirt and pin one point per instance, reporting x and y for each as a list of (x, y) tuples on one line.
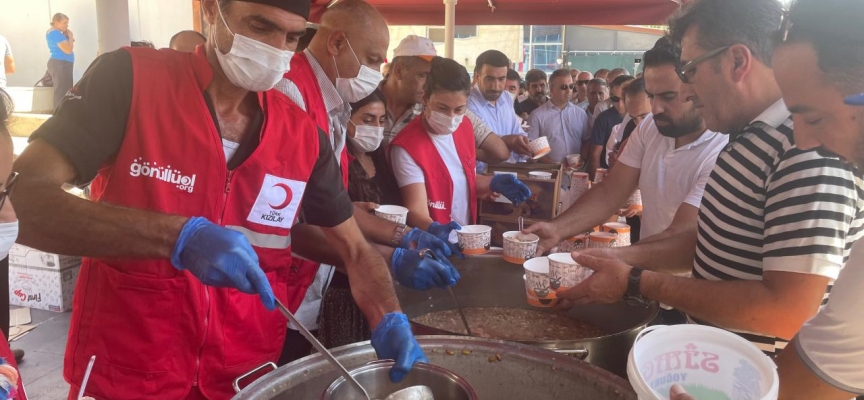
[(776, 223)]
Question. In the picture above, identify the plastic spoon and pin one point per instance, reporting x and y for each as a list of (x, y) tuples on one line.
[(86, 376)]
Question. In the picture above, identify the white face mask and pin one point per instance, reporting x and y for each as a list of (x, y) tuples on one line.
[(442, 124), (252, 65), (8, 235), (367, 138), (355, 89)]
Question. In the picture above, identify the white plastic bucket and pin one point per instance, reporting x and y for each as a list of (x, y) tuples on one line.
[(710, 363)]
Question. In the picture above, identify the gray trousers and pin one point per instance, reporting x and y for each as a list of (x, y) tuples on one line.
[(61, 74)]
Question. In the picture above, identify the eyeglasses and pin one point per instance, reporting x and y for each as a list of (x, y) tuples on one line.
[(583, 83), (571, 86), (615, 99), (686, 71), (10, 186)]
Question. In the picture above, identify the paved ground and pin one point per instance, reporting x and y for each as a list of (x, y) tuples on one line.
[(42, 368)]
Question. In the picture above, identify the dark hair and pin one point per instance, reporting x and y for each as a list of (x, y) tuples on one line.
[(633, 88), (377, 96), (6, 109), (492, 58), (664, 52), (177, 35), (622, 71), (620, 81), (839, 47), (512, 75), (446, 75), (559, 73), (304, 41), (535, 75), (728, 22), (601, 71), (598, 81), (58, 17)]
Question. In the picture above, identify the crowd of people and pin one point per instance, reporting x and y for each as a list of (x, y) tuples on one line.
[(242, 169)]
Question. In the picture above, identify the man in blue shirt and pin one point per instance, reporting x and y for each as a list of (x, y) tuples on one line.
[(490, 102), (564, 124)]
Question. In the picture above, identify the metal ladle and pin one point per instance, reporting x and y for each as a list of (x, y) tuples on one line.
[(423, 254), (321, 349)]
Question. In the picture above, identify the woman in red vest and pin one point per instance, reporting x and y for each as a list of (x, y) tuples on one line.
[(434, 157)]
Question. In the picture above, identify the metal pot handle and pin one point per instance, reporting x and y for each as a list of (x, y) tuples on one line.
[(580, 353), (250, 373)]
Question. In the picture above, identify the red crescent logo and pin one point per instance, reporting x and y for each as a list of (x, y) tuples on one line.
[(288, 196)]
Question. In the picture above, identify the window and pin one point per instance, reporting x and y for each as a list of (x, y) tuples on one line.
[(438, 35), (543, 46)]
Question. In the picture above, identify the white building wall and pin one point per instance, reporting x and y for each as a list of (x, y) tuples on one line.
[(25, 22)]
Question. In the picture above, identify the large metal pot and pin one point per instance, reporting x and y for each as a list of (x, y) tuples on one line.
[(523, 372), (489, 281)]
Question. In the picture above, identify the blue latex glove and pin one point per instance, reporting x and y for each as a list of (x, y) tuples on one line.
[(421, 273), (419, 239), (443, 232), (221, 257), (512, 188), (392, 339)]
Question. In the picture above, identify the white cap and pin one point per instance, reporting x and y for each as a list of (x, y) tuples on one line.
[(416, 46)]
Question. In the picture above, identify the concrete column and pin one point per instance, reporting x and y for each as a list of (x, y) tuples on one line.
[(112, 20)]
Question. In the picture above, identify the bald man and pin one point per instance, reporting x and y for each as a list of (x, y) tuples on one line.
[(581, 82), (339, 67), (186, 41)]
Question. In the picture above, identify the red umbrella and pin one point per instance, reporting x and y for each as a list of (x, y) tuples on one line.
[(521, 12)]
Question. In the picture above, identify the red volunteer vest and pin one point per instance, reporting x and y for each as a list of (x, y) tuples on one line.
[(439, 186), (303, 76), (157, 331)]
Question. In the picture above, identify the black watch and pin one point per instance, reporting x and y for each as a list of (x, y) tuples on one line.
[(633, 295)]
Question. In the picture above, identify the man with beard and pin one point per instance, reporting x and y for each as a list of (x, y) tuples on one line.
[(817, 66), (669, 156), (490, 102), (536, 81), (776, 223)]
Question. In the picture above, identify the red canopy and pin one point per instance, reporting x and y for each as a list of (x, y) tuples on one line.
[(522, 12)]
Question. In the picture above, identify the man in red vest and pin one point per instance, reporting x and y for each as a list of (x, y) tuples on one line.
[(198, 170), (339, 67)]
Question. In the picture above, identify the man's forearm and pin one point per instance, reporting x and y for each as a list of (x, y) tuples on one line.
[(55, 221), (493, 150), (309, 242), (742, 305), (376, 230), (371, 284), (594, 207), (593, 164), (671, 253)]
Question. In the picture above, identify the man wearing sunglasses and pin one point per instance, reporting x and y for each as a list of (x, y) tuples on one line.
[(581, 82), (563, 124), (775, 224)]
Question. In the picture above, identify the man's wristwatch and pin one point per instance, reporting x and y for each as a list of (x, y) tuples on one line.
[(397, 235), (633, 295)]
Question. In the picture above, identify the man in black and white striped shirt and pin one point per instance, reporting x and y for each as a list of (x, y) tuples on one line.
[(776, 223)]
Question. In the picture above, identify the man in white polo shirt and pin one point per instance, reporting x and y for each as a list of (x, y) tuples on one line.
[(669, 156)]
